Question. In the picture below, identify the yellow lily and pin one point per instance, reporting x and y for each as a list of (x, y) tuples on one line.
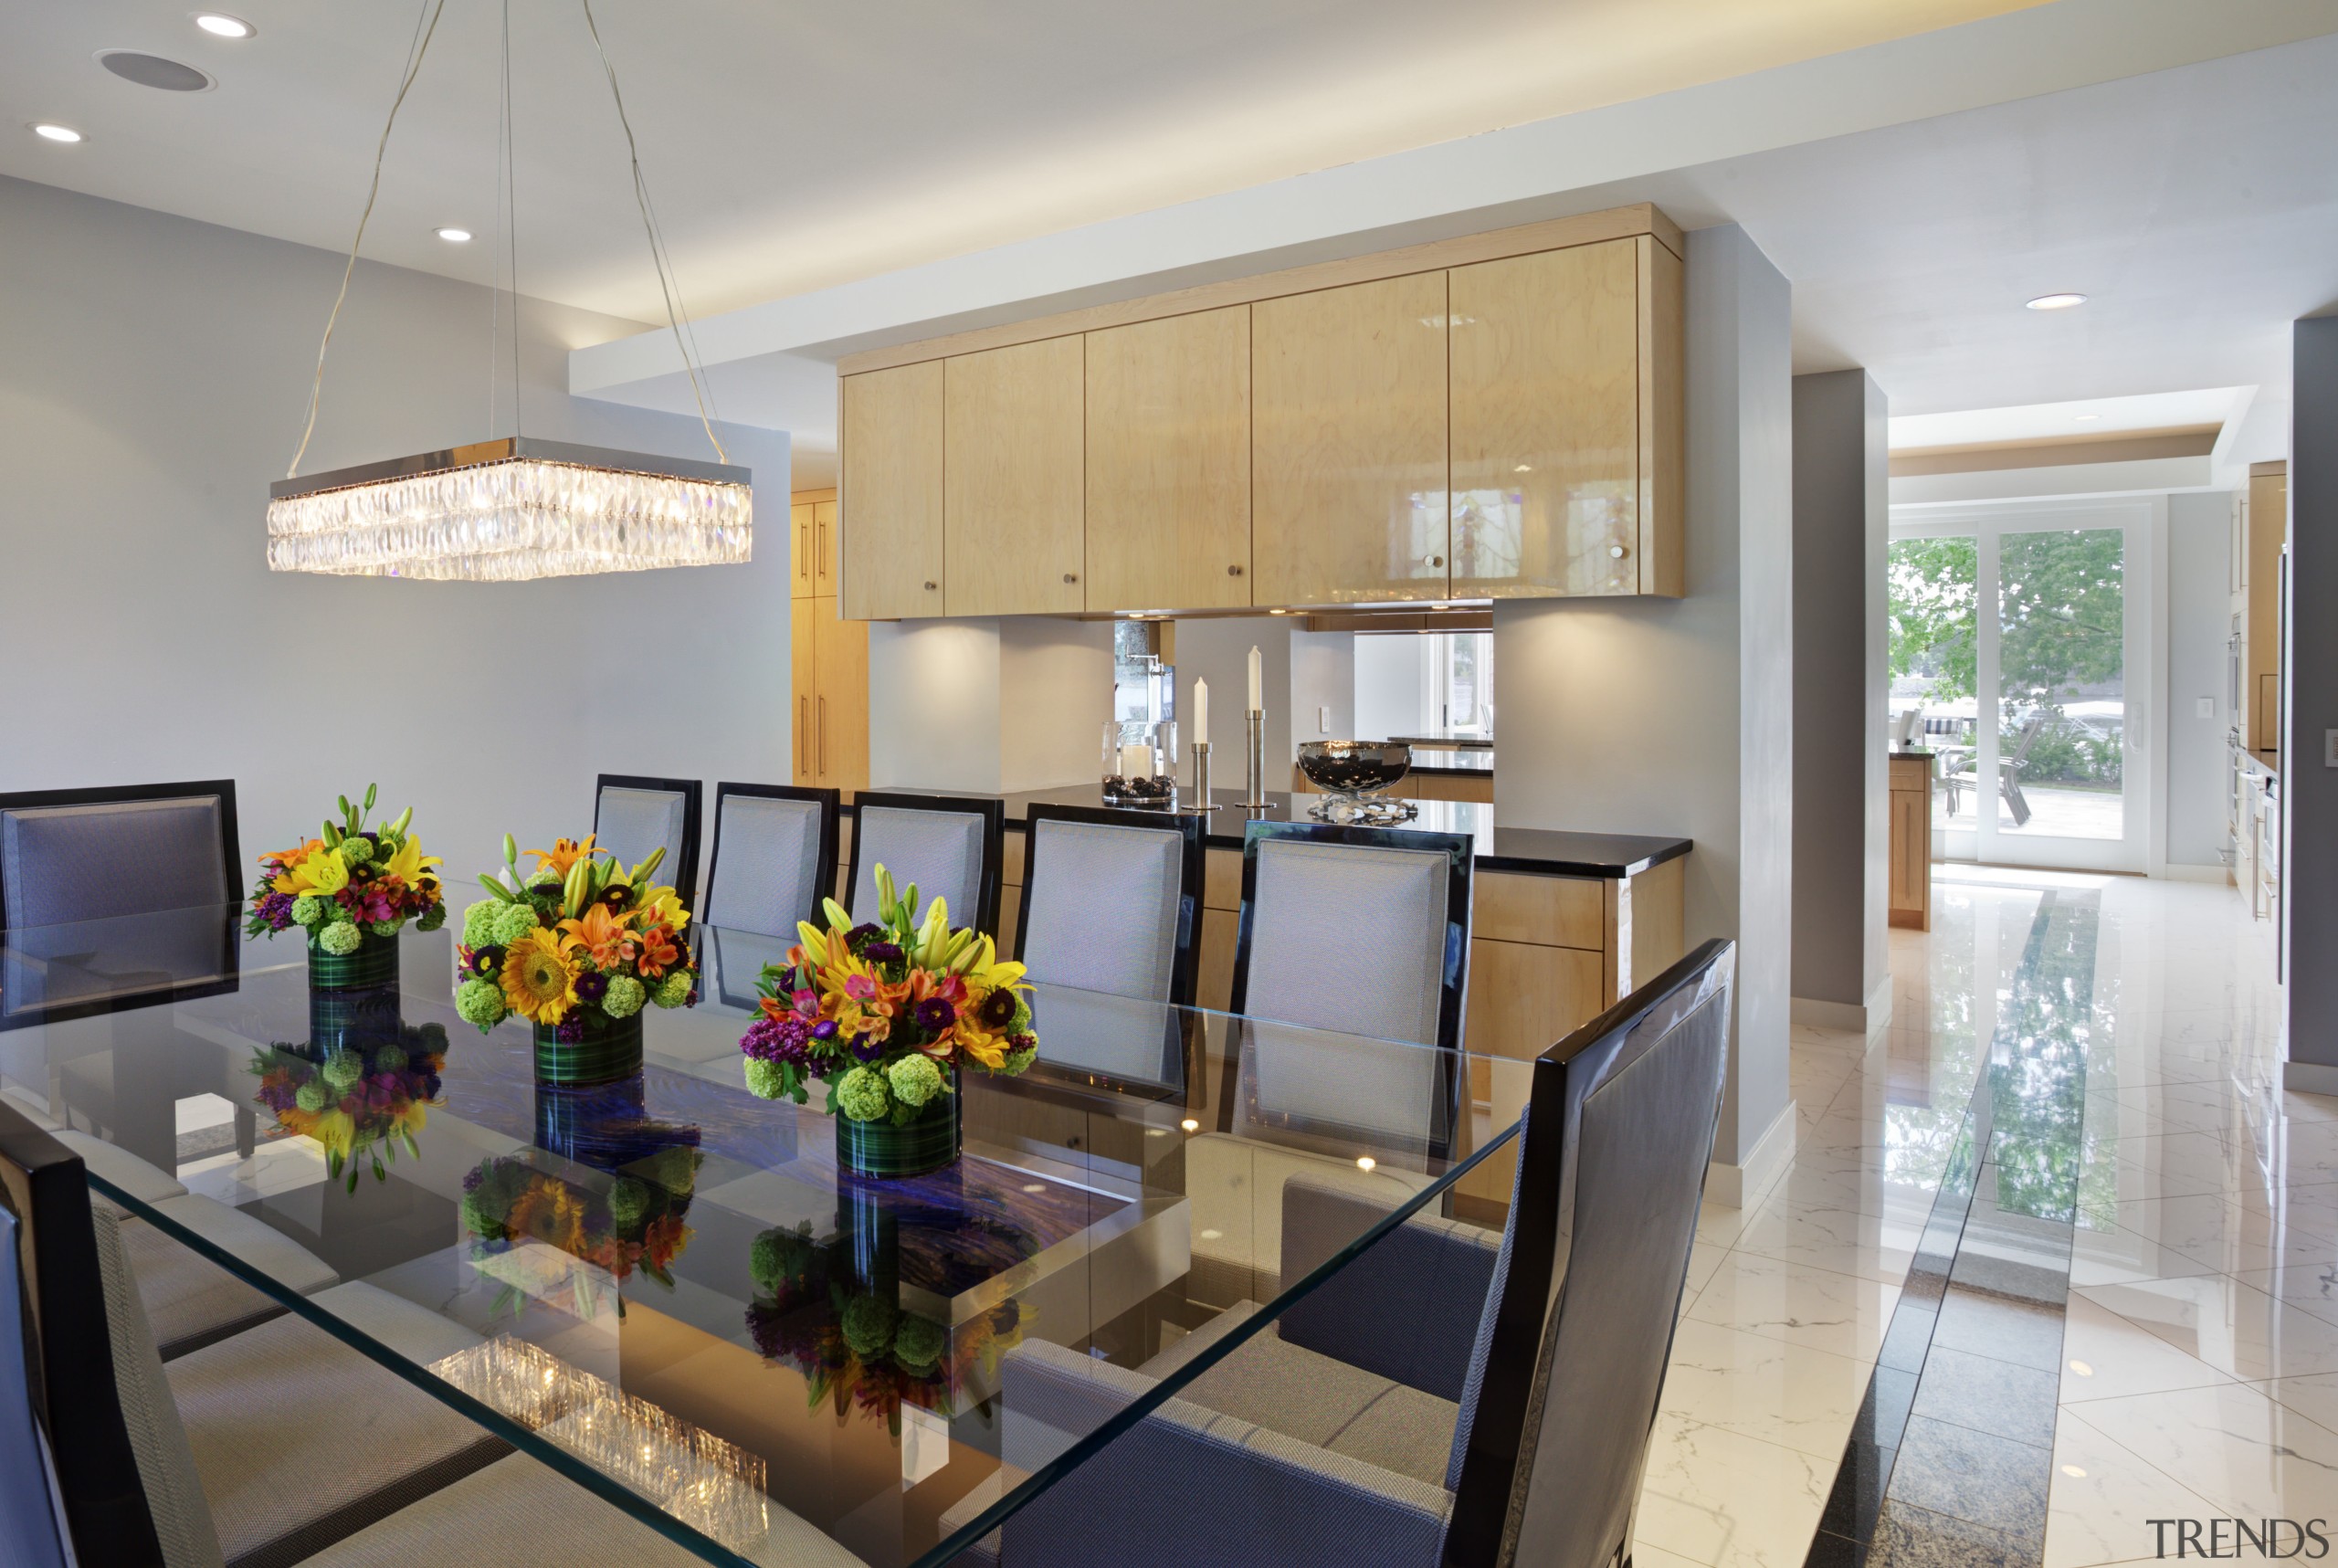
[(410, 865), (319, 874), (663, 906)]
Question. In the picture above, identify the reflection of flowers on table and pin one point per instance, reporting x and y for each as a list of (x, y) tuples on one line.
[(856, 1346), (358, 1102), (634, 1223), (580, 935)]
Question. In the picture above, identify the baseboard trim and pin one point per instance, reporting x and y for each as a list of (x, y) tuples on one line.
[(2180, 871), (2310, 1077), (1869, 1019), (1743, 1185)]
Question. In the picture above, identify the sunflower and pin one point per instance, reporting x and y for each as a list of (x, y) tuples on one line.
[(539, 979)]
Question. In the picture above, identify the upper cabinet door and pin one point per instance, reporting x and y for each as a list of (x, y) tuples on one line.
[(1169, 463), (1546, 424), (891, 493), (1013, 481), (1348, 467)]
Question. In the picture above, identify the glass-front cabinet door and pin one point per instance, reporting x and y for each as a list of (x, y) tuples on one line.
[(2021, 634)]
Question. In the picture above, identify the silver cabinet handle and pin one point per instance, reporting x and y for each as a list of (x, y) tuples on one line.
[(1233, 571), (1616, 550), (1436, 559), (1071, 576), (930, 587)]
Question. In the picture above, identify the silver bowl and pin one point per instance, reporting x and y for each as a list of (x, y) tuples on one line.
[(1356, 775)]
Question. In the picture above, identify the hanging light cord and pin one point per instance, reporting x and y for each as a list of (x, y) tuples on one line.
[(316, 387), (675, 319)]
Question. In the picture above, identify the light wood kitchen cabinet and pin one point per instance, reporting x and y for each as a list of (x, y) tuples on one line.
[(1168, 463), (830, 660), (1013, 488), (890, 456), (1909, 900), (812, 543), (1546, 418), (1347, 444), (2266, 530)]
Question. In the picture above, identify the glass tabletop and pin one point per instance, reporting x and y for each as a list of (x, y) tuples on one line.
[(671, 1289)]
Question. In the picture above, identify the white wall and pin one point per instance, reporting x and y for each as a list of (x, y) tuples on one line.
[(1056, 682), (1217, 650), (1675, 716), (1323, 688), (2199, 620), (1389, 686), (154, 376), (987, 705)]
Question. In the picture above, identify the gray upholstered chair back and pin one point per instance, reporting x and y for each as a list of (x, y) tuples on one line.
[(1104, 907), (98, 860), (766, 871), (1348, 938), (941, 851), (629, 821), (31, 1531), (1563, 1383)]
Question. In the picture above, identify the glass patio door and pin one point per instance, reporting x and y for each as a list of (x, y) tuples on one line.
[(2022, 635)]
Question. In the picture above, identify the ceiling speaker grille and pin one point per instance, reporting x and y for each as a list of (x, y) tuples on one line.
[(154, 70)]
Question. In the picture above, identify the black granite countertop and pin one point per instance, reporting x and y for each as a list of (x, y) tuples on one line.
[(1544, 851), (1452, 760)]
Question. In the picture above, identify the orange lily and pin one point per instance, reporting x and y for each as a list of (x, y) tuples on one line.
[(657, 952), (602, 935), (564, 853)]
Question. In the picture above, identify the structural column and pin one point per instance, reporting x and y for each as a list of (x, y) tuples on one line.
[(2309, 712), (1842, 682)]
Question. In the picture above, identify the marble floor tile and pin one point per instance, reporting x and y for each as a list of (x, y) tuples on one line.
[(2232, 1326), (1725, 1500), (1841, 1241), (2211, 1229), (2104, 1356), (2026, 1333), (2110, 1255), (1975, 1477), (2315, 1398), (2308, 1286), (2250, 1457), (1757, 1387), (2099, 1500), (1843, 1314), (1704, 1258)]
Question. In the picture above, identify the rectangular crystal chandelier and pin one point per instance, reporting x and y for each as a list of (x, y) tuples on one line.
[(507, 510)]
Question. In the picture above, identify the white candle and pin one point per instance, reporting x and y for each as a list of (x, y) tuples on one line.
[(1201, 713), (1257, 684), (1136, 761)]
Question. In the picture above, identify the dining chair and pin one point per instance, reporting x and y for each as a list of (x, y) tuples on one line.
[(32, 1529), (775, 857), (1505, 1419), (1109, 926), (950, 845), (1360, 931), (634, 815)]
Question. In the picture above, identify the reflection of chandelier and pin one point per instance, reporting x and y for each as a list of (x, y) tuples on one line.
[(509, 509)]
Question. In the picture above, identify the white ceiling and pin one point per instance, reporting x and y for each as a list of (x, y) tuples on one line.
[(795, 145), (2089, 418)]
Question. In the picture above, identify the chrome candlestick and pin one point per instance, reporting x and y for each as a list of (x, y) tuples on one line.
[(1254, 780), (1201, 801)]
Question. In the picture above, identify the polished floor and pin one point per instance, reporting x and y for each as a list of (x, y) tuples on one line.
[(2129, 1148)]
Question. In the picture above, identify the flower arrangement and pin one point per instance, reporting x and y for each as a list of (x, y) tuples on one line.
[(857, 1348), (581, 941), (361, 1102), (350, 883), (885, 1012), (636, 1223)]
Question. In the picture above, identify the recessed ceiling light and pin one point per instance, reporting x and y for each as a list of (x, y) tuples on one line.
[(50, 131), (2075, 1472), (1278, 611), (219, 25), (2057, 302), (2082, 1369), (453, 235)]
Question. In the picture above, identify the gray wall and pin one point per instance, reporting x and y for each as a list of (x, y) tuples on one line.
[(1841, 826), (2310, 790), (154, 376), (1676, 716), (2199, 620)]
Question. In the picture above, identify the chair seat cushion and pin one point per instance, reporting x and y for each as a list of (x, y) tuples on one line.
[(189, 1301), (517, 1513), (1315, 1400), (145, 1184), (299, 1440), (251, 1240)]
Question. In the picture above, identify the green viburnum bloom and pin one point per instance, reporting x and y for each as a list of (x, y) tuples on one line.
[(629, 1200), (675, 989), (764, 1080), (432, 918), (310, 1097), (1019, 1060), (624, 997), (385, 928), (545, 876), (343, 1068), (354, 852), (776, 1256), (307, 910), (341, 939), (674, 1168), (480, 1002), (511, 922), (390, 1058), (1022, 1024), (867, 1326), (860, 1094), (914, 1080), (479, 922), (917, 1342)]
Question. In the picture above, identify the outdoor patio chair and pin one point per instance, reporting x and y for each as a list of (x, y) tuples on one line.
[(1962, 773)]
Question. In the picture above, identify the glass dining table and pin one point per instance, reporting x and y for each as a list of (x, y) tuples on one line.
[(669, 1291)]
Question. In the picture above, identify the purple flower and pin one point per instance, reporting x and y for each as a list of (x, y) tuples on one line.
[(934, 1014), (778, 1040), (277, 910), (860, 936), (882, 953), (825, 1029), (571, 1030), (471, 1179), (592, 985), (867, 1049)]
